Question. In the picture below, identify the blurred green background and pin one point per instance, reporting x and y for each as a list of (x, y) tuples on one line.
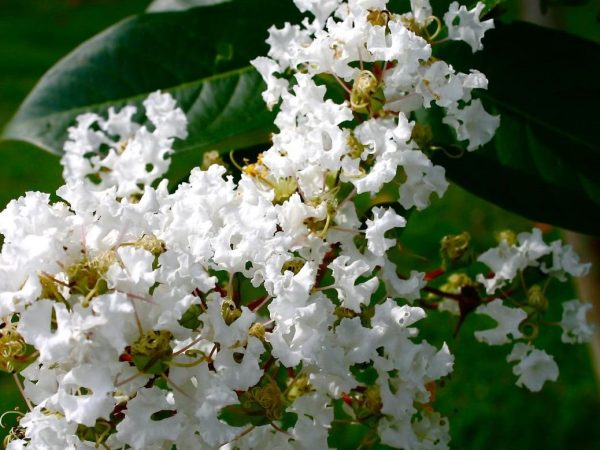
[(486, 409)]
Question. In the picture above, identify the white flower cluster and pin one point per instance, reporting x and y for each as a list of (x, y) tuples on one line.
[(140, 338), (384, 62), (508, 262), (257, 312), (118, 152), (508, 259)]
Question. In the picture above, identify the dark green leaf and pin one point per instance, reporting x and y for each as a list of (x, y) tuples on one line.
[(200, 56), (237, 416), (545, 158), (545, 4), (20, 171)]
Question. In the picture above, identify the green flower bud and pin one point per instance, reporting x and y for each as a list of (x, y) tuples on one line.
[(455, 250), (536, 298), (151, 243), (356, 147), (257, 330), (152, 351), (378, 17), (507, 235), (230, 312), (13, 349), (364, 87), (372, 399), (283, 189), (210, 158)]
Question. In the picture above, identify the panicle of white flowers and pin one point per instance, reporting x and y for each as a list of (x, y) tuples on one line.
[(117, 151), (254, 313)]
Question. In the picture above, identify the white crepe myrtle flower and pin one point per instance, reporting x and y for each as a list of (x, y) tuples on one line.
[(321, 9), (275, 86), (565, 261), (534, 367), (139, 429), (346, 273), (465, 25), (508, 320), (473, 123), (575, 324), (508, 259), (440, 83), (383, 221), (421, 9), (423, 179), (117, 151)]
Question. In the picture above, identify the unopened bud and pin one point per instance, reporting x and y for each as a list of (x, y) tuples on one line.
[(536, 298), (345, 313), (257, 330), (284, 188), (355, 146), (372, 400), (229, 311), (12, 349), (507, 235), (378, 17), (210, 158), (364, 87), (455, 250), (151, 243)]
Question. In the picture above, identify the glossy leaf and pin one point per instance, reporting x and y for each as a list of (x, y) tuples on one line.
[(201, 56), (545, 158)]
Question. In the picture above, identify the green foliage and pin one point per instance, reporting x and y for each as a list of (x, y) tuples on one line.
[(545, 4), (200, 56), (543, 162)]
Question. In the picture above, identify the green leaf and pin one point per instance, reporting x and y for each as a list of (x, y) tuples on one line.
[(200, 56), (543, 163), (545, 4), (20, 171)]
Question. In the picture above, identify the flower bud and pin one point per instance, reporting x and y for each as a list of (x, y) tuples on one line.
[(378, 17), (536, 299), (151, 243), (364, 87), (298, 387), (283, 189), (210, 158), (372, 399), (229, 311), (12, 349), (507, 235), (257, 330), (455, 250)]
